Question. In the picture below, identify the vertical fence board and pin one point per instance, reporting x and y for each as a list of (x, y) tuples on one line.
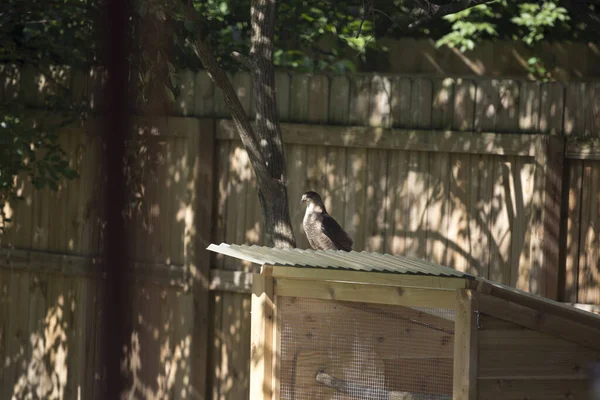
[(299, 93), (375, 208), (297, 185), (552, 101), (588, 276), (204, 92), (401, 100), (573, 225), (340, 100), (318, 99), (398, 192), (360, 88), (283, 94), (437, 207), (380, 105), (354, 214), (184, 102), (458, 230)]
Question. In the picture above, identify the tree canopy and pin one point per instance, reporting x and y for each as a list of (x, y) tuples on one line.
[(307, 35)]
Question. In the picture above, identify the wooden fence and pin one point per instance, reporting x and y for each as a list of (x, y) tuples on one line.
[(495, 177)]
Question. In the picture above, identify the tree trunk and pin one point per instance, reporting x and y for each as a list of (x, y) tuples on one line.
[(265, 145), (274, 203)]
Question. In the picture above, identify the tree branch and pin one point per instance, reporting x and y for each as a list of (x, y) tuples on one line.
[(204, 52), (245, 61)]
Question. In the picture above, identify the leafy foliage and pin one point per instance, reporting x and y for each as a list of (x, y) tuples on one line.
[(30, 152)]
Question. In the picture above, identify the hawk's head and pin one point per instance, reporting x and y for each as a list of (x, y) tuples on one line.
[(311, 197)]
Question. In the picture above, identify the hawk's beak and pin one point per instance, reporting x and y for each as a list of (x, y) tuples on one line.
[(303, 198)]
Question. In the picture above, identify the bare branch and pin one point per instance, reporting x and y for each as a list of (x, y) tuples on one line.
[(242, 59), (204, 52)]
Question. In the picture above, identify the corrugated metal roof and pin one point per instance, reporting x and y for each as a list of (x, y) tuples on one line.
[(357, 261)]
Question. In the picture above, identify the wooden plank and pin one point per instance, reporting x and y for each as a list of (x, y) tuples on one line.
[(354, 213), (336, 183), (401, 296), (540, 320), (540, 303), (318, 99), (571, 225), (379, 108), (529, 106), (508, 106), (398, 190), (299, 98), (360, 91), (466, 345), (502, 220), (511, 144), (416, 229), (524, 177), (592, 122), (184, 102), (297, 174), (339, 103), (464, 105), (551, 106), (583, 148), (375, 206), (458, 244), (575, 109), (527, 354), (538, 389), (263, 309), (283, 94), (588, 287), (203, 95), (375, 278), (443, 103), (421, 103), (401, 99), (438, 207), (546, 215)]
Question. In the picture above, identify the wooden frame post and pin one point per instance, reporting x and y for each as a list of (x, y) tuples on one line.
[(465, 345), (262, 352), (549, 160)]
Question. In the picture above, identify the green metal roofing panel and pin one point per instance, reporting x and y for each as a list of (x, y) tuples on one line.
[(335, 259)]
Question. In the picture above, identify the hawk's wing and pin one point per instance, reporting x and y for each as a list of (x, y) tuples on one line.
[(335, 233)]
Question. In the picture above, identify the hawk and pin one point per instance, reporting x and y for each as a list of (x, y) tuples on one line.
[(323, 232)]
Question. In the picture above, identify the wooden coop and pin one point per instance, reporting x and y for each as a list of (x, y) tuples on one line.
[(337, 325)]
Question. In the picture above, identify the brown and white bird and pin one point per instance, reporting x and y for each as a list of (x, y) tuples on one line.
[(322, 230)]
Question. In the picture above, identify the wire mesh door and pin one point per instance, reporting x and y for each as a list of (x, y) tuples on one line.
[(348, 350)]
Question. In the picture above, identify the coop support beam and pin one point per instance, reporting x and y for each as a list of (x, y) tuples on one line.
[(375, 278), (262, 356), (365, 293), (465, 345)]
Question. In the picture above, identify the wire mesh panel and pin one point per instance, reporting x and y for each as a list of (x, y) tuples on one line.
[(347, 350)]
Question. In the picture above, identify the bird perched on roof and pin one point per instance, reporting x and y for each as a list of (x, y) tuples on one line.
[(322, 230)]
